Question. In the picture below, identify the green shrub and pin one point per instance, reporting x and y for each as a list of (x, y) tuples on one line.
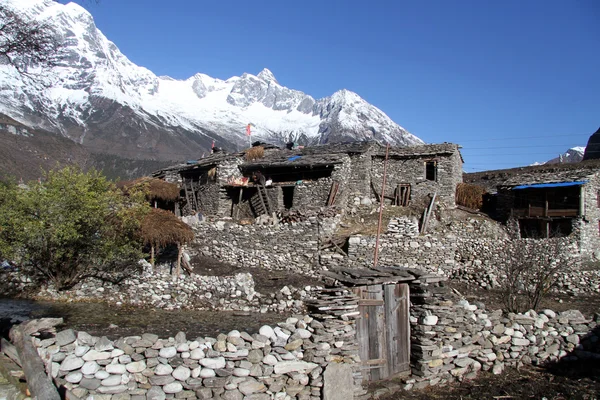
[(71, 226)]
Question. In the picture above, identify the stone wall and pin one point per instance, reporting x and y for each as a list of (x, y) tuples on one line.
[(589, 225), (291, 247), (451, 338), (296, 359), (412, 170), (225, 170), (473, 255), (161, 290)]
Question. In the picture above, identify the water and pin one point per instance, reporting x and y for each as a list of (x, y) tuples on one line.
[(100, 319)]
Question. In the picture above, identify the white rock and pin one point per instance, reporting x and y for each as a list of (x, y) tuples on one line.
[(207, 373), (173, 387), (183, 347), (136, 366), (116, 369), (267, 331), (102, 374), (71, 362), (197, 354), (90, 368), (284, 367), (81, 350), (168, 352), (213, 363), (303, 333), (181, 373), (163, 369), (269, 359), (74, 377), (241, 372), (196, 372), (95, 355), (112, 380)]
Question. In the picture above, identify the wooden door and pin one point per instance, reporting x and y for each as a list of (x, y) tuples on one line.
[(383, 330)]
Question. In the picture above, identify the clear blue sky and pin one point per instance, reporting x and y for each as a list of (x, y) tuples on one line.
[(511, 81)]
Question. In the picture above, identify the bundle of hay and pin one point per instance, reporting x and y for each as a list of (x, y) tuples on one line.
[(469, 195), (154, 189), (255, 153), (161, 228)]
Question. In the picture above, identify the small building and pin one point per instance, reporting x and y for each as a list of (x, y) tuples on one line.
[(419, 171), (549, 201), (314, 177)]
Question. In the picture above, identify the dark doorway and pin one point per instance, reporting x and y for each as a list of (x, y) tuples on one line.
[(288, 196)]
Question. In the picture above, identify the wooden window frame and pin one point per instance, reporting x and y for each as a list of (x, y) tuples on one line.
[(435, 169)]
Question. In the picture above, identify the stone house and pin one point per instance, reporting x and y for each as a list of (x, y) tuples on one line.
[(558, 200), (419, 170), (314, 177)]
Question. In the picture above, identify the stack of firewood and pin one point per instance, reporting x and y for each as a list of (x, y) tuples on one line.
[(289, 216)]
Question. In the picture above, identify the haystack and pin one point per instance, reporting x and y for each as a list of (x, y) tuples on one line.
[(155, 189), (255, 153), (469, 195), (161, 228)]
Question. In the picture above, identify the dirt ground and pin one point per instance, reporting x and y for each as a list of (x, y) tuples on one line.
[(513, 384)]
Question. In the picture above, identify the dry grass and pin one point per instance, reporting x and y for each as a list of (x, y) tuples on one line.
[(469, 195), (255, 153), (155, 189), (161, 228)]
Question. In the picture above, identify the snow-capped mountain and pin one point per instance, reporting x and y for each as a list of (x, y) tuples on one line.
[(97, 97), (573, 155)]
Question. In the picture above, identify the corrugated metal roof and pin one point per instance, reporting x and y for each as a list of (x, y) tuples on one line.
[(550, 185)]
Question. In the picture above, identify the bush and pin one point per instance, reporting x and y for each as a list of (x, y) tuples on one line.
[(71, 226), (531, 270)]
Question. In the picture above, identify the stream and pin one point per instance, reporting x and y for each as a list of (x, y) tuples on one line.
[(101, 319)]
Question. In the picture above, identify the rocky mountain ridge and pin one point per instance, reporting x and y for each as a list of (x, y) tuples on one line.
[(97, 97)]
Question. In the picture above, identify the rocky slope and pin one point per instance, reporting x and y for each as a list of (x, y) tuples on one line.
[(97, 97)]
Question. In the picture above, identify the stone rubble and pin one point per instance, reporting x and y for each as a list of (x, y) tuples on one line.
[(161, 290)]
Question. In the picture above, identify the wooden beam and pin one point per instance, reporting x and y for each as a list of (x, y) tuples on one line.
[(38, 381)]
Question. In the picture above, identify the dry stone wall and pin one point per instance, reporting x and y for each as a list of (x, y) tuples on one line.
[(162, 290), (292, 247), (467, 256), (452, 339), (287, 361)]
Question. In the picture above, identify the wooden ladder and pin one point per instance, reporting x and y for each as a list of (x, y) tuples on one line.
[(261, 202)]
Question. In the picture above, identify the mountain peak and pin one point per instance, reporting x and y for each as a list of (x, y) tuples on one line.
[(267, 76), (345, 96), (97, 88)]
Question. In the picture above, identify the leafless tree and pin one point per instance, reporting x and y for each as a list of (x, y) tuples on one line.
[(24, 43), (531, 269)]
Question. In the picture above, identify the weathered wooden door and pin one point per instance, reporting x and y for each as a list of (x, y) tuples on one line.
[(383, 330)]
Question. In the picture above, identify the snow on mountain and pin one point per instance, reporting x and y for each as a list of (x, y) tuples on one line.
[(573, 155), (98, 97)]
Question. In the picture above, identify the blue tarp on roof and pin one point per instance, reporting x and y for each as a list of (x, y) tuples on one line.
[(549, 185)]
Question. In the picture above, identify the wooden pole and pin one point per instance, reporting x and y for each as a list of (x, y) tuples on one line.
[(152, 255), (381, 201)]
